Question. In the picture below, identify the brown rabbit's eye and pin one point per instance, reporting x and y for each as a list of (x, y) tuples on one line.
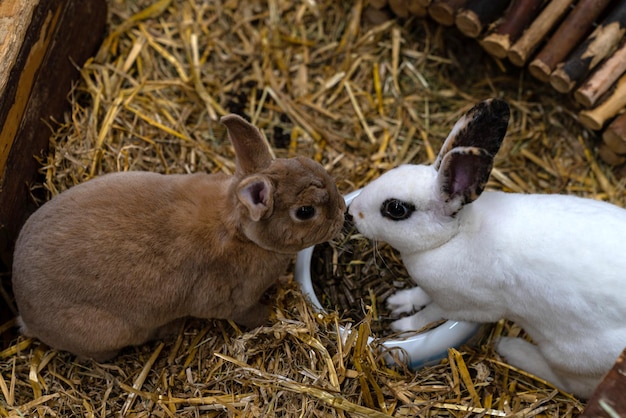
[(305, 212), (396, 210)]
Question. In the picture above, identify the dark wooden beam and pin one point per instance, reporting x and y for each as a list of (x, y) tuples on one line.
[(44, 42)]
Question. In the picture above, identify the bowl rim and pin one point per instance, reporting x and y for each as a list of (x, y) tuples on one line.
[(422, 348)]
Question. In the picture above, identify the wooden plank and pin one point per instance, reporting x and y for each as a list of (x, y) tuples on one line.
[(600, 44), (608, 400), (614, 135), (41, 42), (596, 118)]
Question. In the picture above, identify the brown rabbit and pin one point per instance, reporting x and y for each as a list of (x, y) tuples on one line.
[(120, 259)]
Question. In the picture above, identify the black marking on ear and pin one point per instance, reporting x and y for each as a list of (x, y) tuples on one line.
[(487, 126), (483, 126)]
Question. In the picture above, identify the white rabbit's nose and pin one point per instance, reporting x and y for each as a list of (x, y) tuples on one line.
[(352, 213)]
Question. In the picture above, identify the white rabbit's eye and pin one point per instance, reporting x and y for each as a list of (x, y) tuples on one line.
[(396, 210), (305, 212)]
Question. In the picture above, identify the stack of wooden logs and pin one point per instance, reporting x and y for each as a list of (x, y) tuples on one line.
[(578, 47)]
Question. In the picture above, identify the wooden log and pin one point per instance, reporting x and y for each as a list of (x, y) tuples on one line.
[(444, 11), (608, 400), (518, 16), (576, 26), (407, 8), (603, 78), (595, 118), (41, 42), (477, 14), (602, 41), (378, 4), (416, 8), (541, 26), (400, 8), (376, 16), (609, 156), (614, 136)]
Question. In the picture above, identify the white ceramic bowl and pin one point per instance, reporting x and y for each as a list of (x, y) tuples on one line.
[(421, 349)]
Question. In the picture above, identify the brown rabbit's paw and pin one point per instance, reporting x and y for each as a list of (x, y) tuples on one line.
[(254, 317), (169, 329), (98, 356)]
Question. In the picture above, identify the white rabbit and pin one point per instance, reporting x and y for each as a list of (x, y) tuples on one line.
[(553, 264)]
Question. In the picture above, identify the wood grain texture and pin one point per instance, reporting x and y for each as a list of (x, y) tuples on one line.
[(596, 118), (602, 41), (444, 11), (517, 17), (522, 50), (603, 78), (576, 26), (44, 42), (477, 14), (614, 136), (608, 400)]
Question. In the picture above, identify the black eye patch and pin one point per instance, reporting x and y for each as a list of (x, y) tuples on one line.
[(396, 210)]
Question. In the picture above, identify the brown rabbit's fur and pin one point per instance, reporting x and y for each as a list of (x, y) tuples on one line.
[(120, 259)]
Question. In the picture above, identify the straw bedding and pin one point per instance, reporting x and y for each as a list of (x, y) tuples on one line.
[(331, 80)]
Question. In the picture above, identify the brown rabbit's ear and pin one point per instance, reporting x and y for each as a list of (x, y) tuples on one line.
[(257, 194), (251, 149), (483, 126)]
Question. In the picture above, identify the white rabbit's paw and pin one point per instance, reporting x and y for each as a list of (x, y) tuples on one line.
[(522, 354), (407, 300), (400, 302), (413, 322), (403, 324)]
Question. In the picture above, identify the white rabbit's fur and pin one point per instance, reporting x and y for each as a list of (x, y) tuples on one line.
[(553, 264)]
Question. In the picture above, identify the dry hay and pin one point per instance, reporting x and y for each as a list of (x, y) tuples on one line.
[(353, 275), (319, 80)]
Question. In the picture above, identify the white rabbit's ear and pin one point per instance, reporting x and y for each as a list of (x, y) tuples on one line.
[(257, 194), (251, 149), (462, 176), (483, 126)]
